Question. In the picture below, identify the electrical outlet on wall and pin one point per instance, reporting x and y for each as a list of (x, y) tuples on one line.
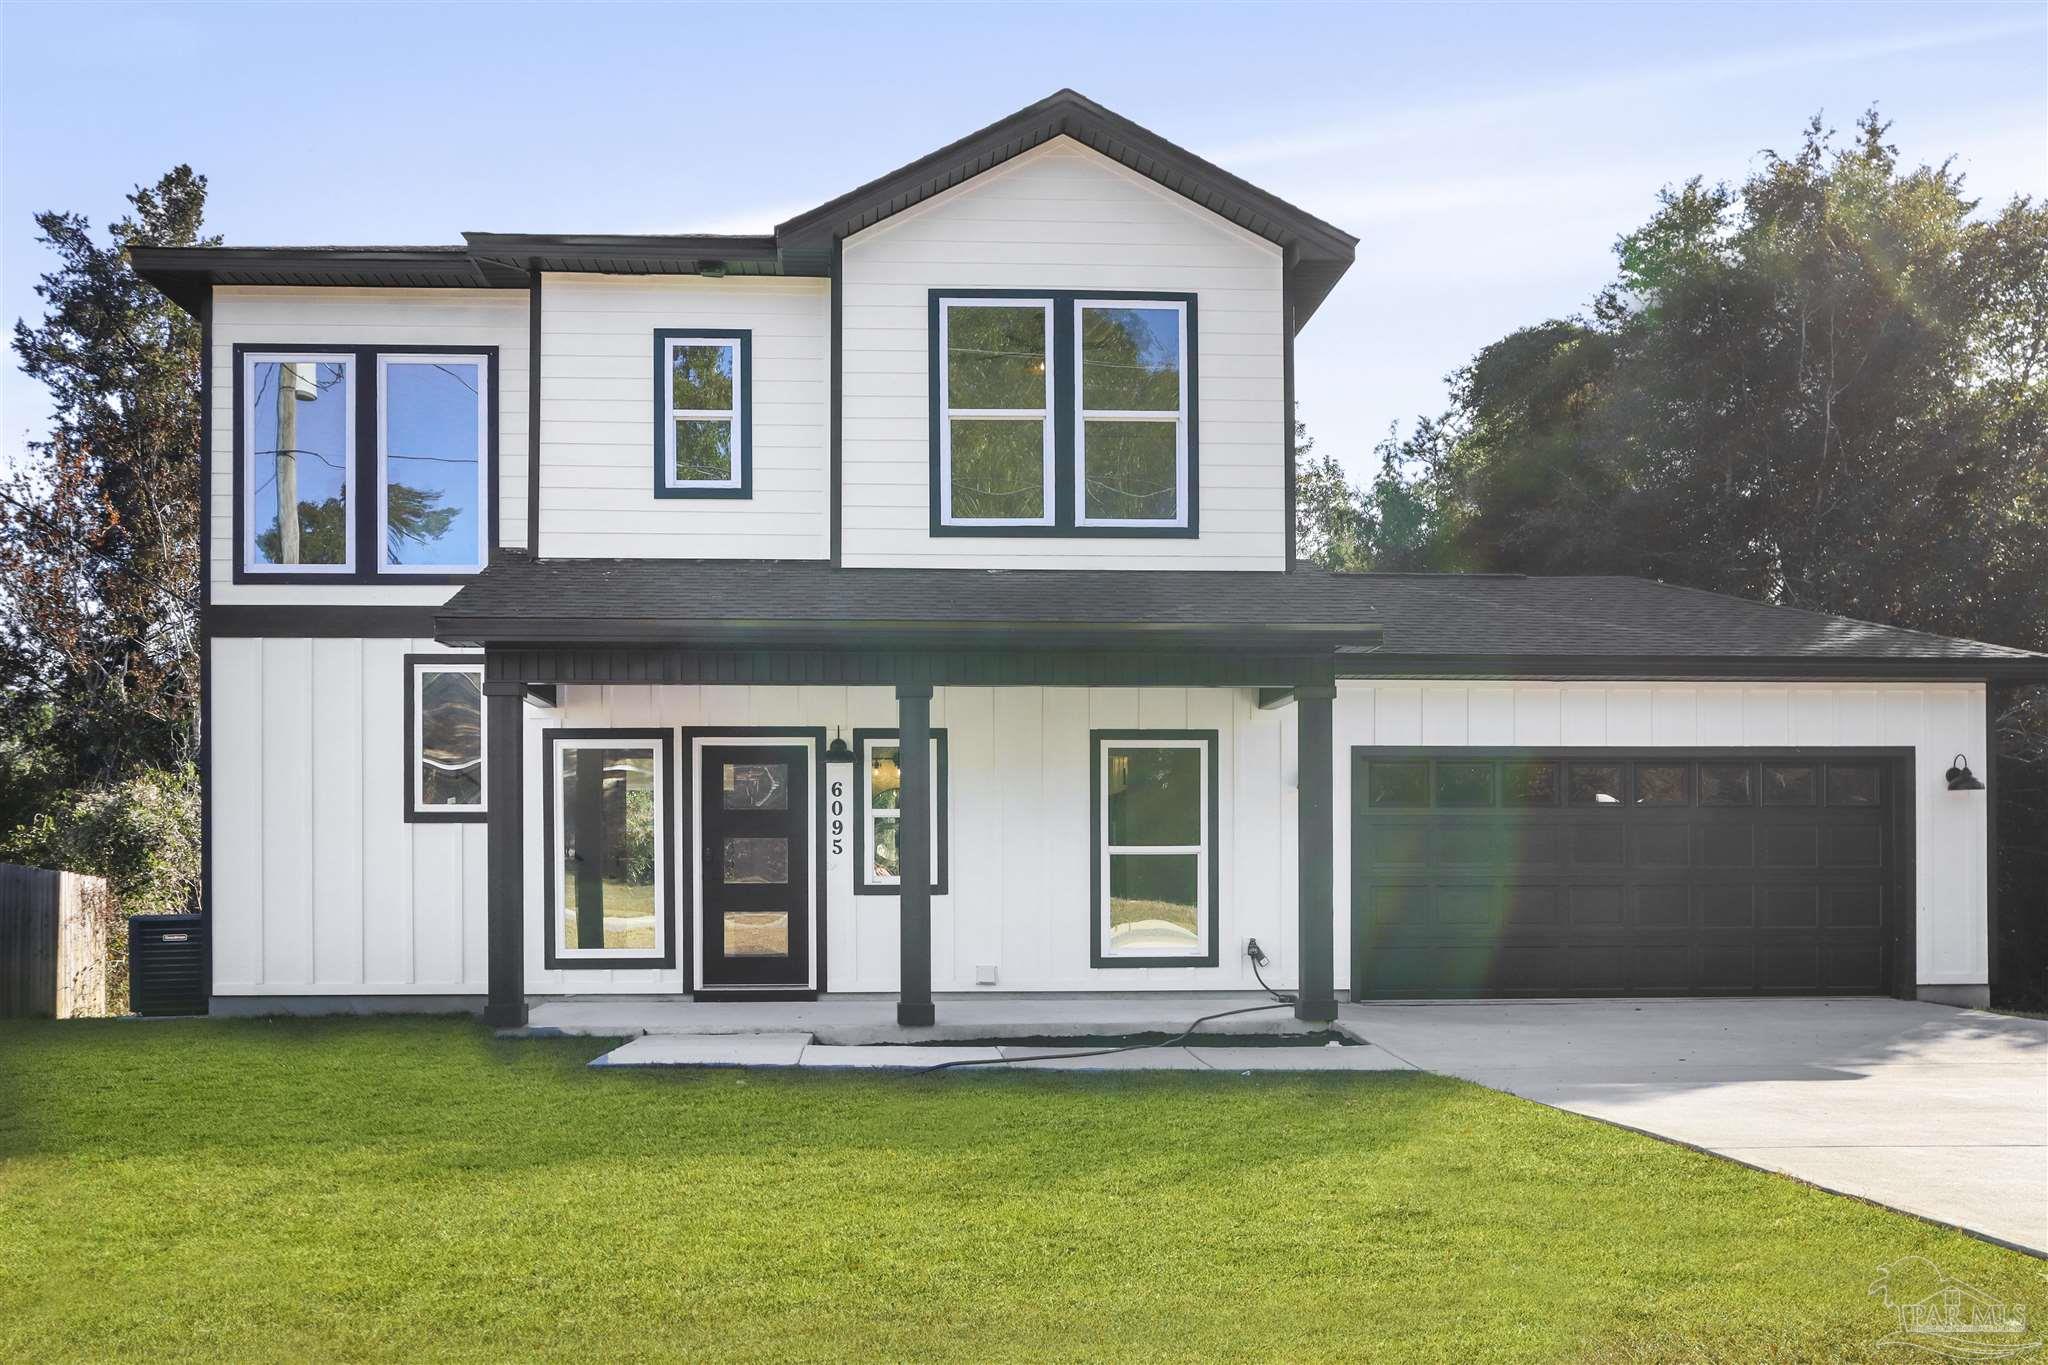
[(984, 976)]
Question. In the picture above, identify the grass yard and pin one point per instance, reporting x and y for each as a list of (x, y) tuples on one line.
[(384, 1189)]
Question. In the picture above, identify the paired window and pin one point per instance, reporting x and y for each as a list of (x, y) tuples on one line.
[(703, 424), (1154, 875), (1063, 413), (607, 826), (305, 472), (444, 738), (877, 864)]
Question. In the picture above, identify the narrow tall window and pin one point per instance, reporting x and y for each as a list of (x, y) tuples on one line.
[(606, 813), (996, 423), (432, 421), (1131, 465), (299, 474), (702, 429), (878, 870), (444, 726), (1155, 859)]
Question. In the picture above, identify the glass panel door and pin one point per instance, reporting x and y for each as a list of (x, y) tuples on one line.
[(754, 824)]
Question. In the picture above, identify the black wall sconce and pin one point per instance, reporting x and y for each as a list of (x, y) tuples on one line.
[(1961, 779), (838, 752)]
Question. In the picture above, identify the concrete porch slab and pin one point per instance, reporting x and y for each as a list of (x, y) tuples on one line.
[(762, 1049), (861, 1020), (898, 1058)]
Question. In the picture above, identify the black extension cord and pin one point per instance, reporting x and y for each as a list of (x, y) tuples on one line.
[(1280, 1002)]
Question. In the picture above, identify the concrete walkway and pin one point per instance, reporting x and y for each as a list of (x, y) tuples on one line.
[(1936, 1111), (799, 1050)]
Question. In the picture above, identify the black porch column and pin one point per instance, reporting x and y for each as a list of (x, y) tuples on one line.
[(506, 862), (1314, 843), (914, 852)]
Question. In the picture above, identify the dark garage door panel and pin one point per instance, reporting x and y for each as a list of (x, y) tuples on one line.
[(1787, 889)]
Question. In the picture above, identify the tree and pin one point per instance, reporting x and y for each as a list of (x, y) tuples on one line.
[(99, 553), (1826, 388)]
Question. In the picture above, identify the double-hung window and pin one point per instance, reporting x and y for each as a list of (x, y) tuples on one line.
[(1155, 818), (1130, 462), (444, 733), (877, 863), (317, 499), (703, 428), (996, 431), (1063, 413)]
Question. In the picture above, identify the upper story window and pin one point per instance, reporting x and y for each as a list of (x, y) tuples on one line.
[(1062, 413), (304, 474), (703, 421), (431, 421), (995, 438), (1131, 462)]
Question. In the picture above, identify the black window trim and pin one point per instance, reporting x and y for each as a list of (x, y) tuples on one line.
[(664, 741), (1097, 873), (413, 814), (743, 438), (941, 829), (369, 473), (1064, 354)]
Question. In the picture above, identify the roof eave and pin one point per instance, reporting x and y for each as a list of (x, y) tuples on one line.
[(1701, 668)]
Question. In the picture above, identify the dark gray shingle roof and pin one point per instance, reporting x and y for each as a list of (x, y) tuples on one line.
[(1523, 623)]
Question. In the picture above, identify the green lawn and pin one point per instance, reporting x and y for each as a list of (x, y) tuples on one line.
[(401, 1190)]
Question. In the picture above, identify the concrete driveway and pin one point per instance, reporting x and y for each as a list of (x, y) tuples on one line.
[(1937, 1111)]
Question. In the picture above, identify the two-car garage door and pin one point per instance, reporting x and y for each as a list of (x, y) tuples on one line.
[(1606, 873)]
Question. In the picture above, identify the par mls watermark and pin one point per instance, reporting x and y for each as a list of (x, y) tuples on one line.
[(1945, 1317)]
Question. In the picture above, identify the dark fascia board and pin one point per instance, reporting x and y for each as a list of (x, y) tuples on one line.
[(185, 274), (1327, 250), (1673, 668), (1022, 636), (628, 253)]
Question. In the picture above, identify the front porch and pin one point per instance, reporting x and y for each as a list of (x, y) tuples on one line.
[(1040, 736)]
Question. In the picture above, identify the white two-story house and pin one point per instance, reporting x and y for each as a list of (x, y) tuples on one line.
[(906, 603)]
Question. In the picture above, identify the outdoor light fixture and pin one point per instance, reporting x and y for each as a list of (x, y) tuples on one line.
[(711, 270), (837, 752), (1961, 779)]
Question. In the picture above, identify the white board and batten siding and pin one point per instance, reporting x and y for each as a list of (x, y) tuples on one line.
[(1056, 218), (1018, 881), (1018, 891), (295, 316), (320, 886), (597, 418), (1936, 720)]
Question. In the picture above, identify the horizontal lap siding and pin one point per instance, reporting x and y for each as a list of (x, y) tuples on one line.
[(597, 425), (455, 318), (1061, 218), (1936, 721), (1018, 889), (320, 887)]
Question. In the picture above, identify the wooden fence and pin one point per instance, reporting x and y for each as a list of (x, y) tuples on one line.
[(53, 943)]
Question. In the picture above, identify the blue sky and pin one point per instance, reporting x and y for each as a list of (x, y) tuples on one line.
[(1487, 155)]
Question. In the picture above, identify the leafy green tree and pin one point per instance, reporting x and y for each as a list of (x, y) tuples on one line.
[(1826, 387), (99, 564)]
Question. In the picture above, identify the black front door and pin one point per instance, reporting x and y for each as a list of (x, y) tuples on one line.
[(755, 909)]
